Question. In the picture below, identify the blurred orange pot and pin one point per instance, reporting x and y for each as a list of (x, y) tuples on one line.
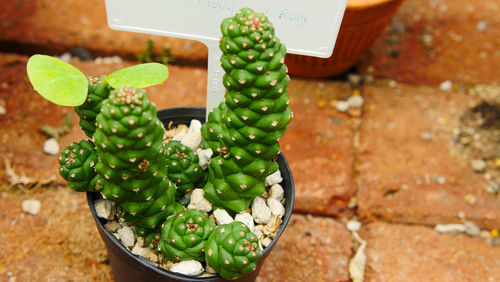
[(363, 22)]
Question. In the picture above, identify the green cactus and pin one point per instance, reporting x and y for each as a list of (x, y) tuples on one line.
[(246, 128), (77, 163), (233, 250), (184, 235), (88, 111), (183, 167), (132, 167)]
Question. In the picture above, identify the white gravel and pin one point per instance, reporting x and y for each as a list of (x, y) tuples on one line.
[(198, 201), (245, 218), (260, 211), (204, 157), (353, 225), (51, 147), (127, 236), (342, 106), (105, 208), (222, 217), (356, 101), (276, 192), (446, 85), (274, 178), (188, 267), (276, 207), (31, 206)]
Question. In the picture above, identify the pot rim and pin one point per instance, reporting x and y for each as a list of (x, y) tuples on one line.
[(183, 111)]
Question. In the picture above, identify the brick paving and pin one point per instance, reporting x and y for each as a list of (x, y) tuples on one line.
[(374, 166)]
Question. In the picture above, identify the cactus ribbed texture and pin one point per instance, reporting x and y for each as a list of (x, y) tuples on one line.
[(183, 167), (132, 166), (233, 250), (184, 235), (246, 128), (78, 166), (92, 106)]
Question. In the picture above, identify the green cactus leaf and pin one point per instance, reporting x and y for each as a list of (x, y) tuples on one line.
[(138, 76), (57, 81)]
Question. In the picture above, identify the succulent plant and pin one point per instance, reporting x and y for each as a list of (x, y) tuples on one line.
[(132, 167), (246, 128), (184, 235), (88, 111), (183, 167), (78, 166), (233, 250)]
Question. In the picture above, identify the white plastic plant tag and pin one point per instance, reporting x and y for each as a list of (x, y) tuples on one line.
[(305, 27)]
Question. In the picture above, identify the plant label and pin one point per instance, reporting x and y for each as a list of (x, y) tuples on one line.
[(305, 27)]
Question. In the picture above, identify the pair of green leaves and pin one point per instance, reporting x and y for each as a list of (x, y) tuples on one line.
[(65, 85)]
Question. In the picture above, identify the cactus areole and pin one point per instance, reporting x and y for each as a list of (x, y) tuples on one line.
[(128, 161)]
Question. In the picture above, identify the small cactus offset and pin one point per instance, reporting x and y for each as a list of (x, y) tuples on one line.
[(97, 93), (183, 167), (246, 128), (132, 167), (233, 250), (78, 163), (184, 235)]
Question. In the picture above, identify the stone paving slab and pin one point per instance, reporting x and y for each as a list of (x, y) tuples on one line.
[(318, 143), (402, 178), (442, 40), (417, 253), (60, 243), (311, 249), (62, 24)]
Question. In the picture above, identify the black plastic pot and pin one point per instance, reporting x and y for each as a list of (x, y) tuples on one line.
[(129, 267)]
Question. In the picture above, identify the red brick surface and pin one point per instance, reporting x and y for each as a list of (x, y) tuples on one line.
[(318, 145), (311, 249), (60, 243), (417, 253), (62, 24), (396, 167), (458, 51)]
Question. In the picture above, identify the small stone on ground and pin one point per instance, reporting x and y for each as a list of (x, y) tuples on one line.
[(31, 206)]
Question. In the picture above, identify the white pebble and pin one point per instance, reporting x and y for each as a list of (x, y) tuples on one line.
[(193, 137), (51, 147), (276, 192), (105, 209), (276, 207), (127, 236), (478, 165), (140, 251), (3, 111), (210, 269), (66, 57), (180, 134), (204, 157), (472, 229), (274, 178), (31, 206), (198, 201), (342, 106), (356, 101), (222, 217), (450, 228), (258, 231), (446, 85), (353, 225), (245, 218), (354, 78), (266, 242), (260, 211), (188, 267), (481, 26)]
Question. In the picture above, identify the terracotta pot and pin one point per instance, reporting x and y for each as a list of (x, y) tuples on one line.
[(129, 267), (363, 22)]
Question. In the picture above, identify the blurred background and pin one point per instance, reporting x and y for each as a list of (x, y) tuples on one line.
[(394, 137)]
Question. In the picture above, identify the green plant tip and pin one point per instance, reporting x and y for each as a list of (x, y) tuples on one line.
[(138, 76), (57, 81)]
